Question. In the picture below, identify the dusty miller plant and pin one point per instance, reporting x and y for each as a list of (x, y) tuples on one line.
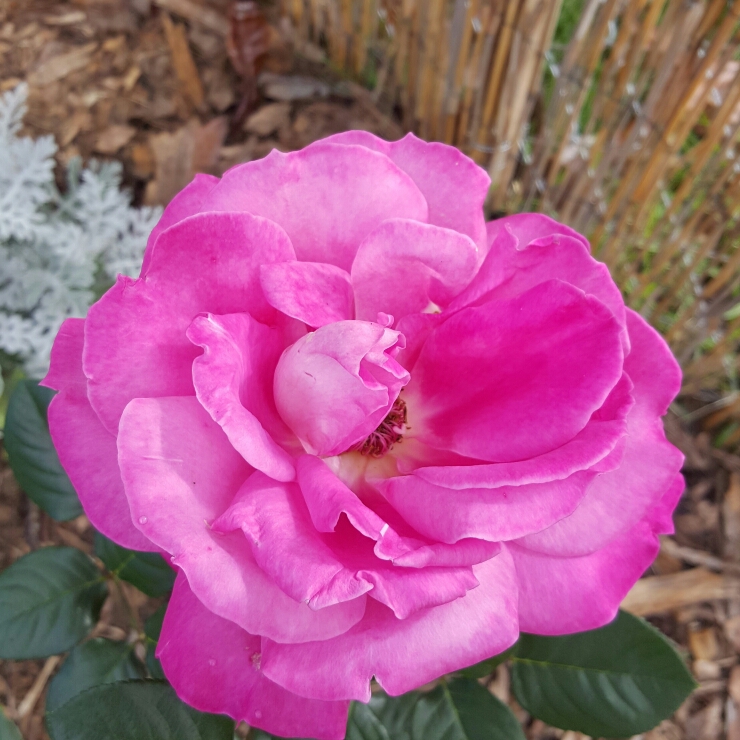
[(58, 250)]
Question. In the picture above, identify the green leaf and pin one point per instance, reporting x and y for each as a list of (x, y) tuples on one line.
[(363, 724), (93, 663), (8, 729), (49, 600), (620, 680), (148, 571), (487, 667), (32, 455), (459, 710), (134, 710), (152, 629)]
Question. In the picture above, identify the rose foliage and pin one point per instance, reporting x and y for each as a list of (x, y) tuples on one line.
[(377, 436)]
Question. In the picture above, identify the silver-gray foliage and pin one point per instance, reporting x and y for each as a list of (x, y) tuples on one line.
[(58, 251)]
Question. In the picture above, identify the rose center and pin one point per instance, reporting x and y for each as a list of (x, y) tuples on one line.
[(389, 432)]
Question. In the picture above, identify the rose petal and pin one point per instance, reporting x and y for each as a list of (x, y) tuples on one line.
[(403, 654), (213, 665), (529, 227), (325, 569), (312, 292), (589, 450), (233, 382), (186, 203), (558, 596), (328, 198), (516, 262), (286, 546), (86, 450), (327, 498), (617, 500), (135, 343), (180, 473), (454, 186), (523, 391), (660, 516), (405, 266), (334, 386), (651, 366), (494, 514)]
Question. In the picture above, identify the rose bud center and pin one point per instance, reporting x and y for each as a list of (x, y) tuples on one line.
[(337, 388)]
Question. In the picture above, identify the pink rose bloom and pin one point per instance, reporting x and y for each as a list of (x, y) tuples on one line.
[(377, 436)]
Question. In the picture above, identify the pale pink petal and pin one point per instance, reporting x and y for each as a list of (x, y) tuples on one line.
[(617, 500), (186, 203), (135, 343), (86, 450), (558, 596), (312, 292), (454, 186), (589, 450), (180, 474), (523, 391), (214, 666), (404, 267), (494, 514), (334, 386), (324, 569), (403, 654), (233, 382), (328, 198)]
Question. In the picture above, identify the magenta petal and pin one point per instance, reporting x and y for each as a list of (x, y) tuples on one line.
[(651, 366), (334, 386), (328, 198), (403, 654), (312, 292), (275, 520), (529, 227), (233, 382), (404, 267), (558, 596), (135, 343), (516, 263), (186, 203), (589, 450), (466, 398), (493, 514), (454, 186), (327, 498), (214, 666), (660, 516), (617, 500), (86, 450), (181, 473), (325, 569)]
